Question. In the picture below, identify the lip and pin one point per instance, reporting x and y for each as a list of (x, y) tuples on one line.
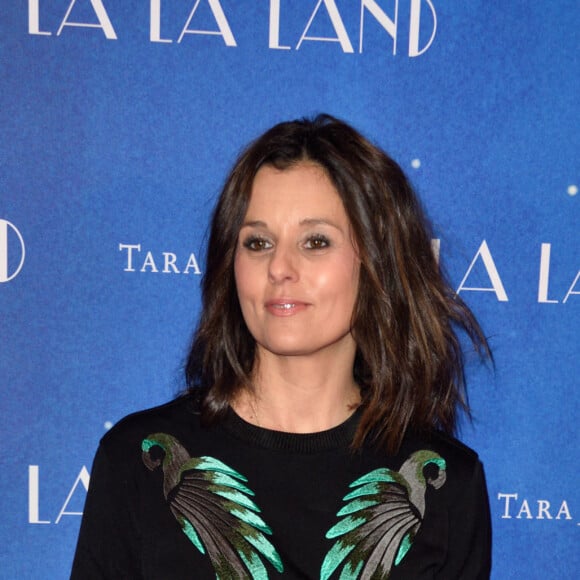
[(285, 306)]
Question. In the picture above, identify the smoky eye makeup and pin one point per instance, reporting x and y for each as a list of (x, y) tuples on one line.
[(256, 243), (317, 242)]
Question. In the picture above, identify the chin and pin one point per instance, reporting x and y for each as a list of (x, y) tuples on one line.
[(298, 348), (288, 347), (289, 350)]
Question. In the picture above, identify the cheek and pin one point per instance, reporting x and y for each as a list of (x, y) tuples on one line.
[(238, 273), (341, 281), (244, 276), (351, 284), (347, 273)]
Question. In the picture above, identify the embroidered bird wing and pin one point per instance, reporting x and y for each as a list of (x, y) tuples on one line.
[(377, 529), (383, 514), (214, 508)]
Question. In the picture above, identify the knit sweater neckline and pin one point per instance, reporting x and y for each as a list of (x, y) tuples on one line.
[(340, 436)]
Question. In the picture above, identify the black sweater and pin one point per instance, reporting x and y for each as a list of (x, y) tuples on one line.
[(170, 499)]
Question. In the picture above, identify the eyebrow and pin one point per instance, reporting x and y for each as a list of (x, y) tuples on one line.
[(304, 222), (254, 224), (319, 221)]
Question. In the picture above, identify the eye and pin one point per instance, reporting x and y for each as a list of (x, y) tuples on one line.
[(317, 242), (257, 243)]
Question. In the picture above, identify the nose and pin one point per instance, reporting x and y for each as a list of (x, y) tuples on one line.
[(283, 265)]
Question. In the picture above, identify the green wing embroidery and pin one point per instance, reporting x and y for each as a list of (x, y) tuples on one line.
[(383, 513), (214, 508)]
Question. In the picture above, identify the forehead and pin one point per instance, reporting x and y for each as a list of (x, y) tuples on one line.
[(302, 190)]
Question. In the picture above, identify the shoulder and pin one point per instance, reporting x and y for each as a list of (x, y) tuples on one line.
[(461, 463), (442, 443), (180, 417)]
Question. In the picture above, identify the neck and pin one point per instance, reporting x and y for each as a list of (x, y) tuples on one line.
[(299, 394)]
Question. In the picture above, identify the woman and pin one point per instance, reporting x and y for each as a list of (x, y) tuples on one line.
[(324, 379)]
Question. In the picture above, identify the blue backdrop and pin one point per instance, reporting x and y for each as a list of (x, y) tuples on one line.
[(118, 122)]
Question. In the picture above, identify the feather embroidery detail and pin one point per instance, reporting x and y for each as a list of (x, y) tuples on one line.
[(214, 508), (384, 512)]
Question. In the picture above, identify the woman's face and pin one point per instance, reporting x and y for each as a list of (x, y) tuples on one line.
[(296, 268)]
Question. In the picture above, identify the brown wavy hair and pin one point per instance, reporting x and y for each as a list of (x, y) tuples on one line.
[(409, 360)]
